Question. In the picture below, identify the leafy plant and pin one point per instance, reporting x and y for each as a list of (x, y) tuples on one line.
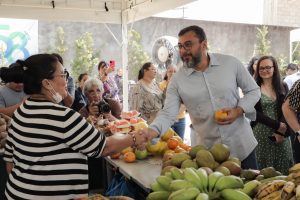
[(85, 59), (296, 52), (60, 45), (264, 45), (136, 54), (2, 58)]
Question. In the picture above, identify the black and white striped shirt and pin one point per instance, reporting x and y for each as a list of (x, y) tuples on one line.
[(49, 144)]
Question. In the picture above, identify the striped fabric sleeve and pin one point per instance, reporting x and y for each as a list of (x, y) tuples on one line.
[(8, 154), (81, 136)]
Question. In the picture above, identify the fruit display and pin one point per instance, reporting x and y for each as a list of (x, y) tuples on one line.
[(4, 123), (196, 184)]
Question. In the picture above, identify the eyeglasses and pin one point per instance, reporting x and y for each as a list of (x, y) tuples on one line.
[(267, 68), (186, 45), (64, 75)]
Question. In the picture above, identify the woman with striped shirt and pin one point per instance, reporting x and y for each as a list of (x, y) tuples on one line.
[(48, 144)]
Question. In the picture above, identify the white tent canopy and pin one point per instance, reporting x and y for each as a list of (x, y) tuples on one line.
[(102, 11), (99, 11)]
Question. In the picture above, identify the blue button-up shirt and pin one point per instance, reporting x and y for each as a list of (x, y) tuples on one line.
[(205, 92)]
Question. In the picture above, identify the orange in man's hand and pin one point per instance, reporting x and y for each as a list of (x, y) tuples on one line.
[(220, 115), (129, 157)]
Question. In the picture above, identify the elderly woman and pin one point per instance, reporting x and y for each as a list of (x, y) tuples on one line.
[(93, 90), (146, 96), (48, 144)]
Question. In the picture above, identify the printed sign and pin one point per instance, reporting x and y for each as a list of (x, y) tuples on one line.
[(18, 39)]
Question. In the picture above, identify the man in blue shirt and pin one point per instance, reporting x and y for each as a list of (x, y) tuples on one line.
[(207, 83)]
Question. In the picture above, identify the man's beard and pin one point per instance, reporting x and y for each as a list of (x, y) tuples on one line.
[(194, 62)]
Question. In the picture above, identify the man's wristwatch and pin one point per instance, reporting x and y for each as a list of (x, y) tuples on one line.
[(297, 133)]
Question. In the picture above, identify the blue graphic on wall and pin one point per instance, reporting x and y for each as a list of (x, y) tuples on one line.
[(18, 39)]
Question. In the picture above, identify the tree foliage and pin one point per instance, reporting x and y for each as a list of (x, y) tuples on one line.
[(85, 59), (263, 46), (136, 54), (60, 45)]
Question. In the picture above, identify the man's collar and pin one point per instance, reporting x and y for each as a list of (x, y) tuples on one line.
[(213, 62)]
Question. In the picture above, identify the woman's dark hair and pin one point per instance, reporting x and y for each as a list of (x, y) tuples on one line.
[(196, 29), (145, 66), (80, 77), (250, 65), (101, 64), (276, 80), (60, 59), (31, 72)]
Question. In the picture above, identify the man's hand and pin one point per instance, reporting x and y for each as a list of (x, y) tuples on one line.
[(279, 138), (232, 115)]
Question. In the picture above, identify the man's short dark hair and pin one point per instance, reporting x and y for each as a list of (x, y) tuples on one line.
[(196, 29), (292, 66)]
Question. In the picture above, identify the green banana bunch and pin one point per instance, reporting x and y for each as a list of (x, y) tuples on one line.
[(191, 176), (184, 194), (164, 182), (156, 187), (229, 182), (202, 196), (177, 173), (159, 195), (232, 194), (180, 184), (204, 179), (212, 179), (250, 187)]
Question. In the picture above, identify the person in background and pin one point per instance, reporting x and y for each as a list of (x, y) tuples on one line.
[(208, 82), (119, 82), (292, 68), (68, 100), (11, 97), (48, 143), (179, 125), (80, 99), (146, 96), (291, 111), (291, 79), (110, 87), (252, 66), (93, 90), (270, 128)]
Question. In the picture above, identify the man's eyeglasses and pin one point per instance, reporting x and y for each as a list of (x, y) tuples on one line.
[(267, 68), (187, 45)]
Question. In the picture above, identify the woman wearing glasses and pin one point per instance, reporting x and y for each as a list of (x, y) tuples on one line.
[(270, 128), (47, 143)]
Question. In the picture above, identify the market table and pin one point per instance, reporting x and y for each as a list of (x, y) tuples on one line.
[(142, 172)]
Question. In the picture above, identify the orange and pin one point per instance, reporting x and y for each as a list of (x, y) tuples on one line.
[(185, 147), (172, 143), (178, 138), (220, 115), (129, 157), (128, 149), (178, 149)]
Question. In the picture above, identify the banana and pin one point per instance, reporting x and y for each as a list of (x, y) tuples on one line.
[(226, 182), (176, 173), (160, 195), (164, 181), (270, 188), (272, 196), (156, 187), (287, 190), (180, 184), (184, 194), (202, 196), (250, 187), (212, 179), (204, 179), (168, 134), (281, 177), (232, 194), (293, 198), (298, 192), (191, 176)]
